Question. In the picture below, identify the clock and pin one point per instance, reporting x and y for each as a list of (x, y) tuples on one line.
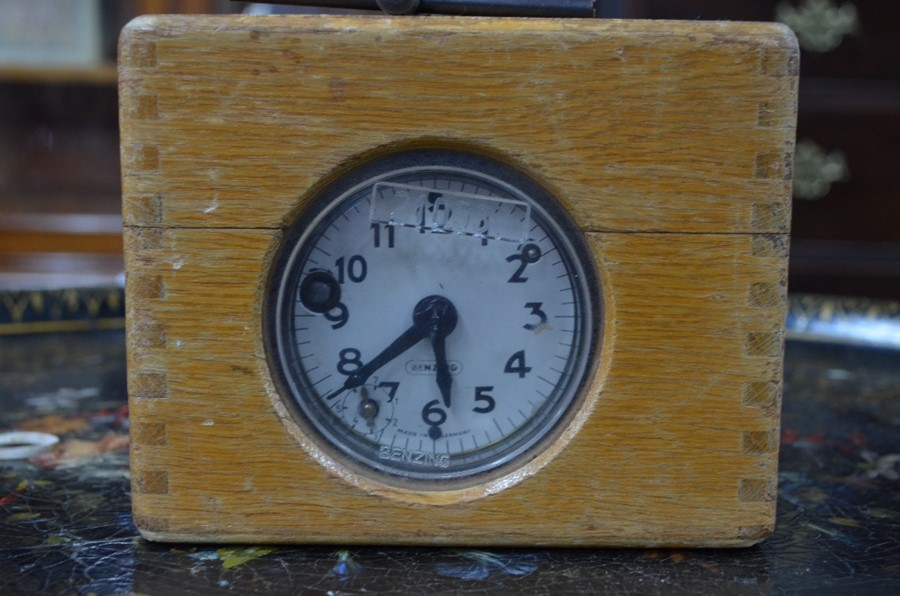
[(433, 316), (455, 281)]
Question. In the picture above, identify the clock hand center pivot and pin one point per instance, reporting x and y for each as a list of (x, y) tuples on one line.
[(436, 315)]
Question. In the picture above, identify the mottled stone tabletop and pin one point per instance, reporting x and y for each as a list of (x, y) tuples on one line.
[(66, 527)]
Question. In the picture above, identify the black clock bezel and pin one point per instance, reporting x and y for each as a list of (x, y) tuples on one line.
[(283, 278)]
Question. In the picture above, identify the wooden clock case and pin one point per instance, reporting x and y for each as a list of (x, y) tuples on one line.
[(669, 143)]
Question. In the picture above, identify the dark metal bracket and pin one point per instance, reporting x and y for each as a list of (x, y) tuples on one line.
[(509, 8)]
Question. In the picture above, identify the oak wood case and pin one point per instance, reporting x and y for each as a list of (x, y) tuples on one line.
[(669, 143)]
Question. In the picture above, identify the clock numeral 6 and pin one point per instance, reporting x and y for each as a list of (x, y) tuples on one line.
[(433, 414), (516, 365)]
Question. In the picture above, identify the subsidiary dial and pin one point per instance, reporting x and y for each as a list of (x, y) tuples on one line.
[(368, 409), (433, 315)]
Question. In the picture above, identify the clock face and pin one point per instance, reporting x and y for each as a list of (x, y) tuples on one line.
[(433, 315)]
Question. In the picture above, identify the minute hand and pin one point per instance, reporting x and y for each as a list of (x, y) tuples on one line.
[(407, 339), (444, 380)]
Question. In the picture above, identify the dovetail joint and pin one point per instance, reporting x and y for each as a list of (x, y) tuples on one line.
[(760, 394), (152, 482), (755, 490), (149, 385), (149, 433), (758, 442), (763, 343)]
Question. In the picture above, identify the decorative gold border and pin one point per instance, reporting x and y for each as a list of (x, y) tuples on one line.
[(59, 310)]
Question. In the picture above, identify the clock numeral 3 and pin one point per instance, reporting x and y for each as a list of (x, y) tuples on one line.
[(516, 365), (536, 311)]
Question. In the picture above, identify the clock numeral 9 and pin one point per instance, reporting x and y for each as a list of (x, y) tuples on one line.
[(516, 365), (339, 315), (355, 269)]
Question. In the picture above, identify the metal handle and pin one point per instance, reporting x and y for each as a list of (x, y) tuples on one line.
[(513, 8), (820, 25)]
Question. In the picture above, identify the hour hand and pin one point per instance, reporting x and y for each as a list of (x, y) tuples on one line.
[(438, 315), (444, 380)]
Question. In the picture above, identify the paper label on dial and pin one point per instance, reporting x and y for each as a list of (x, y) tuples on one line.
[(451, 212)]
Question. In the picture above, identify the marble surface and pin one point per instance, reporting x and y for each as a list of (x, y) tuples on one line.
[(66, 527)]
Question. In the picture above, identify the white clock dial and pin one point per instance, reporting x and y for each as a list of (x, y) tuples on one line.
[(433, 316)]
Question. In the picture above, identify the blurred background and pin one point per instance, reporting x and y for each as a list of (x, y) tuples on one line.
[(60, 223)]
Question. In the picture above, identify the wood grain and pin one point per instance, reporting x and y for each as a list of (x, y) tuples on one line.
[(670, 145)]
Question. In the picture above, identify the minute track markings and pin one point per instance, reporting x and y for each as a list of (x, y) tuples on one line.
[(497, 424), (325, 378)]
